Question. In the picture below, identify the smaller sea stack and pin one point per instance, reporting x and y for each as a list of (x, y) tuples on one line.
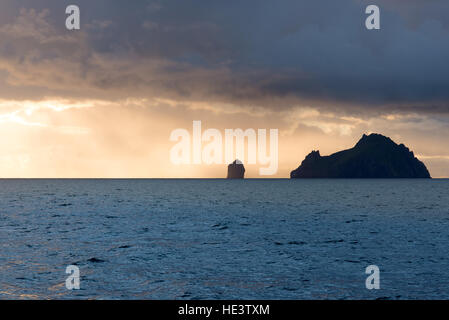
[(236, 170)]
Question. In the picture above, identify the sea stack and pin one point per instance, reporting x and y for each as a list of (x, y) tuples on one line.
[(374, 156), (236, 170)]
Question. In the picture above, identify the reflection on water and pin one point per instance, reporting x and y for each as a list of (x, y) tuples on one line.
[(219, 239)]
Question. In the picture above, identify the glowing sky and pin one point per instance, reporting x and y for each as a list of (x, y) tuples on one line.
[(102, 101)]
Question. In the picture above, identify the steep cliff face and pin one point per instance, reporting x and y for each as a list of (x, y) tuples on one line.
[(236, 170), (374, 156)]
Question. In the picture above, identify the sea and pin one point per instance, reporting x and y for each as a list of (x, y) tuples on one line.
[(224, 239)]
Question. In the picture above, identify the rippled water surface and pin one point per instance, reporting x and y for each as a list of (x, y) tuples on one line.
[(219, 239)]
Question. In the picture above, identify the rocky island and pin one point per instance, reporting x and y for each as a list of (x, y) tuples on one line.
[(236, 170), (374, 156)]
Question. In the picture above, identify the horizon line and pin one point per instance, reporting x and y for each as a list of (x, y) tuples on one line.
[(193, 178)]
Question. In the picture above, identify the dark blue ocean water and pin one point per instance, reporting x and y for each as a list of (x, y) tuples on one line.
[(218, 239)]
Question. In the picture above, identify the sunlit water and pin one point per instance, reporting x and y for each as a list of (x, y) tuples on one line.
[(218, 239)]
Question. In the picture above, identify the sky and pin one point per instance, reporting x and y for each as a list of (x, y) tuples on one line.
[(103, 101)]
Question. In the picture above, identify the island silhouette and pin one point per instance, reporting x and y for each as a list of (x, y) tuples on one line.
[(374, 156), (236, 170)]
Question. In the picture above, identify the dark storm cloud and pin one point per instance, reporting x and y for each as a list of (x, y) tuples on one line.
[(248, 52)]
